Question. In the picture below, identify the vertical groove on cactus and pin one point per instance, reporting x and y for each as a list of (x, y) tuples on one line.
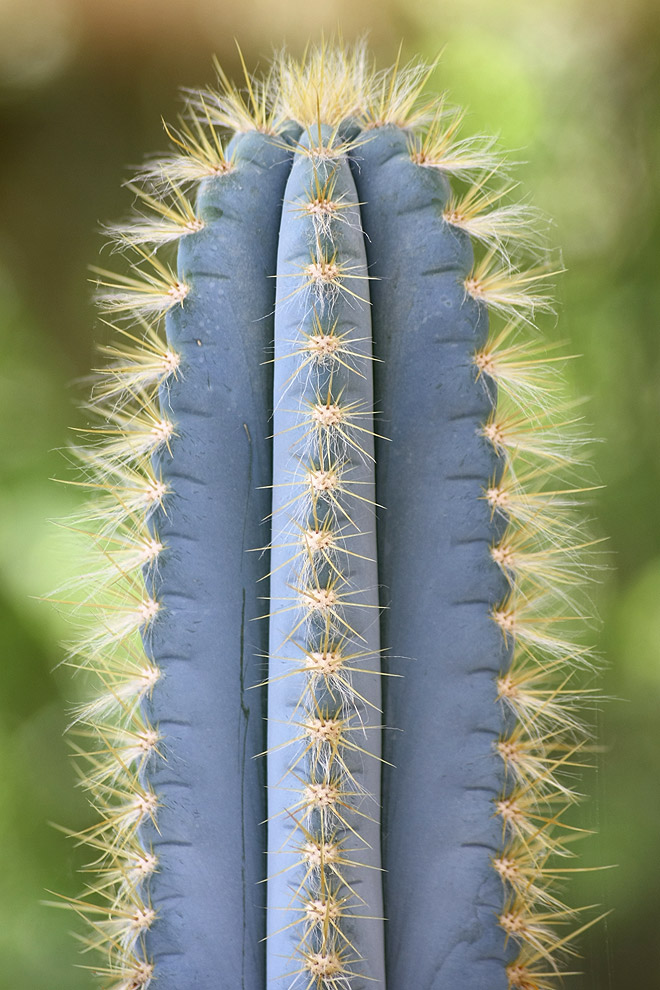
[(330, 286)]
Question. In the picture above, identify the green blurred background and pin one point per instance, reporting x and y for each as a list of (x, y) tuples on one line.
[(573, 86)]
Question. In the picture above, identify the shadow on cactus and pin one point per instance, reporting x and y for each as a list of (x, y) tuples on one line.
[(337, 604)]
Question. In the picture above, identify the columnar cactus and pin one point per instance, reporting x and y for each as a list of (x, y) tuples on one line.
[(335, 621)]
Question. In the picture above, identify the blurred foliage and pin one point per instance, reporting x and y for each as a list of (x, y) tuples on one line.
[(572, 86)]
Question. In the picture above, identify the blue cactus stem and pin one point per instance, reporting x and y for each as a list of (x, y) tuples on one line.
[(439, 583), (325, 884), (335, 510), (210, 907)]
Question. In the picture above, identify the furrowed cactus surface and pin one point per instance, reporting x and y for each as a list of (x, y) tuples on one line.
[(336, 619)]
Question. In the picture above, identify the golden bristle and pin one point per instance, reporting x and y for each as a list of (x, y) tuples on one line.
[(327, 84)]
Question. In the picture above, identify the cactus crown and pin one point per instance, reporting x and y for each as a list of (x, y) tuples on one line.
[(323, 110)]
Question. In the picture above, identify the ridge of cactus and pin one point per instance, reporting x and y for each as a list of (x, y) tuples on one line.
[(324, 748), (334, 602)]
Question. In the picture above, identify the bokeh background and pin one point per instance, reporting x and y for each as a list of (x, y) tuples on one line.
[(573, 86)]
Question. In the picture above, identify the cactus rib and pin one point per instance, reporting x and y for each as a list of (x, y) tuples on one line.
[(324, 748)]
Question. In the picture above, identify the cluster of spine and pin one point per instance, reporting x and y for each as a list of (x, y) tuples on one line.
[(117, 607), (542, 550), (323, 684), (546, 555), (324, 691), (116, 600)]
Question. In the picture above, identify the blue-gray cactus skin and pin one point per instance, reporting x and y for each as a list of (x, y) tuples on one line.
[(323, 727), (439, 583), (210, 838)]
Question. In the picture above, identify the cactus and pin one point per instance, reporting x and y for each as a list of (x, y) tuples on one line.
[(335, 609)]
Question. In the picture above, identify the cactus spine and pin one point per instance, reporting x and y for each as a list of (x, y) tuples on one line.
[(414, 579)]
